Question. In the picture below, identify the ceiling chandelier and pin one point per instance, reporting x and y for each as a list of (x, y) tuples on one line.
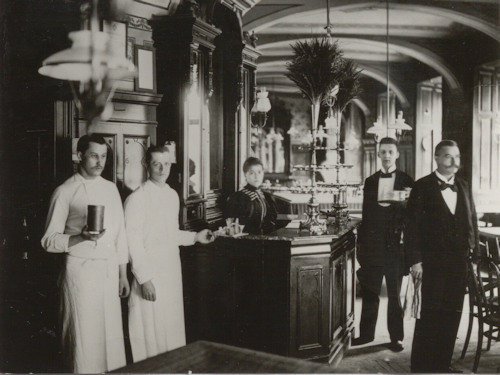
[(394, 127), (90, 66)]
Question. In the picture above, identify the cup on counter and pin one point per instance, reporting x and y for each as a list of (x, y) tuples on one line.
[(95, 219)]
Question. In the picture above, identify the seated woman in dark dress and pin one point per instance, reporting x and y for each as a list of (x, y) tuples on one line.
[(255, 209)]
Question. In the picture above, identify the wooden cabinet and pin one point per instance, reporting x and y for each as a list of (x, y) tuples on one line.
[(287, 293), (128, 133), (309, 307), (190, 114), (342, 265)]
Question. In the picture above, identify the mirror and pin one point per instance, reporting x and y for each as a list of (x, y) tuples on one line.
[(271, 144)]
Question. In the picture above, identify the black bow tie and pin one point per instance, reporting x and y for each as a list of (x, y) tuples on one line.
[(444, 186), (385, 175)]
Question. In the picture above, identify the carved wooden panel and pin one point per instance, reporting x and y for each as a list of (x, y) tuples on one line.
[(337, 308), (309, 306)]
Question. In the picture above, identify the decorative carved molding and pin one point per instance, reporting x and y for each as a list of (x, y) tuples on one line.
[(205, 34), (239, 5), (250, 56), (250, 38), (189, 8), (139, 23)]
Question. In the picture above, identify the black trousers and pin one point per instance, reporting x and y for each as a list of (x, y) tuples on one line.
[(370, 277), (443, 291)]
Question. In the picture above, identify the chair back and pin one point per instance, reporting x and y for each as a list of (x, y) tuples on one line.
[(495, 252), (484, 285), (484, 248)]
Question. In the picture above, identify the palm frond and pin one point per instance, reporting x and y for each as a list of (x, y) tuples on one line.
[(317, 66)]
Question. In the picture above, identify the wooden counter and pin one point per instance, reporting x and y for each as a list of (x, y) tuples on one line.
[(287, 293), (202, 357)]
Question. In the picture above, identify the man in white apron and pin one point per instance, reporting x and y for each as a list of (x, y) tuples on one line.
[(94, 276)]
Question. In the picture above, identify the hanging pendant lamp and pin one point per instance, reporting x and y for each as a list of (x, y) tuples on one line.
[(91, 67), (395, 128)]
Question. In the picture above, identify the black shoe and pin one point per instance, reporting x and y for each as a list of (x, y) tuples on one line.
[(360, 341), (396, 346)]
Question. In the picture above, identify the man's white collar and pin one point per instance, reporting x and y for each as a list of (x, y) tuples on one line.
[(391, 169), (444, 179)]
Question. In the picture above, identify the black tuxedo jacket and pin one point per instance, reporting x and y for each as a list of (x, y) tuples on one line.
[(382, 226), (427, 214)]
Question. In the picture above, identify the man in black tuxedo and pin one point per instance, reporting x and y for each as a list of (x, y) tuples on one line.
[(379, 246), (441, 230)]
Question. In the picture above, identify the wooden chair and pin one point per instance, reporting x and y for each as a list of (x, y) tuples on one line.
[(484, 288), (485, 252), (495, 252)]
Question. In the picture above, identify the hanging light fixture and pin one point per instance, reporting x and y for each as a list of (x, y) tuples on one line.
[(378, 130), (394, 128), (258, 114), (90, 66)]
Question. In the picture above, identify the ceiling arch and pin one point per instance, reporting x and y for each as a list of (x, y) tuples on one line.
[(256, 21), (409, 49)]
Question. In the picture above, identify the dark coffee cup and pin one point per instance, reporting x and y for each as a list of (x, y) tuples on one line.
[(95, 219)]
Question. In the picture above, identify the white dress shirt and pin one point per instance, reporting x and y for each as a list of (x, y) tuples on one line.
[(449, 196), (386, 187)]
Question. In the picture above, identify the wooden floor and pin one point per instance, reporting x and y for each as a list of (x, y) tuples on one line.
[(375, 357)]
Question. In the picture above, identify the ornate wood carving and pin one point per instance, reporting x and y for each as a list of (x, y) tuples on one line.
[(139, 23)]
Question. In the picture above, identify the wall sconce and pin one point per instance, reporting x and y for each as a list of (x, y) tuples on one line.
[(258, 115), (90, 67)]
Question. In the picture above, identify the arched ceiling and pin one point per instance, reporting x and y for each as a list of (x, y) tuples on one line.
[(419, 33)]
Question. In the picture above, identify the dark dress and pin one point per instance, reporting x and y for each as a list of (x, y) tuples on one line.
[(441, 241), (255, 209)]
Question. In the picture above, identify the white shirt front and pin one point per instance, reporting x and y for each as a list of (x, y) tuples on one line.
[(386, 187), (68, 215), (449, 196)]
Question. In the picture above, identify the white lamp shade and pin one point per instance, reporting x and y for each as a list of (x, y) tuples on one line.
[(88, 58), (400, 124), (262, 103), (330, 123), (377, 129)]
